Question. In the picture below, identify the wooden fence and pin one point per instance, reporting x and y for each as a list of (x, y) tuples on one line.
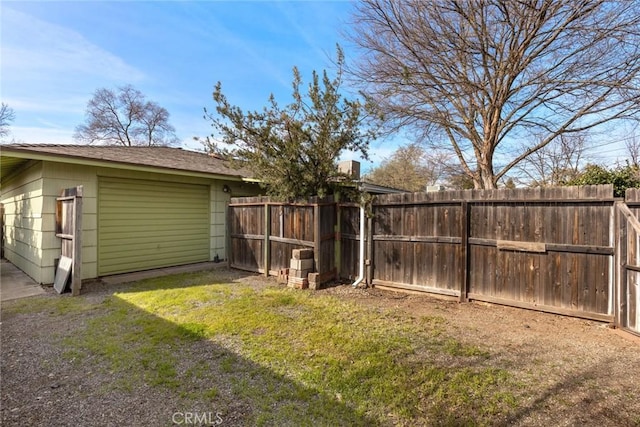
[(549, 249), (558, 250), (263, 233)]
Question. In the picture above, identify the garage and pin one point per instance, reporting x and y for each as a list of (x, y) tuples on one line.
[(142, 207), (145, 224)]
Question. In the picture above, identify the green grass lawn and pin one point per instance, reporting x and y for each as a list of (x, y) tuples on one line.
[(289, 357)]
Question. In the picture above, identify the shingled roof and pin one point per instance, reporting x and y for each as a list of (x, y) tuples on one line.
[(156, 157)]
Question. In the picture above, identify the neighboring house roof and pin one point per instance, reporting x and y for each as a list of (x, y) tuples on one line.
[(371, 188), (13, 156)]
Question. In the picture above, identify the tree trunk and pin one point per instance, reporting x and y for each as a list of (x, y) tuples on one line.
[(485, 178)]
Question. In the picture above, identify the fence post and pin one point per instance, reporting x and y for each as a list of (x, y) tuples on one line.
[(227, 232), (620, 291), (337, 241), (1, 230), (317, 238), (76, 278), (267, 234), (369, 257), (464, 251)]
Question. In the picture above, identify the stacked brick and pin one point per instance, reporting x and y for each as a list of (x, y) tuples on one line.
[(300, 267)]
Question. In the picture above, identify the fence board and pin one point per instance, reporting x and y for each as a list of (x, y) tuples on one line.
[(327, 245), (632, 301), (416, 242)]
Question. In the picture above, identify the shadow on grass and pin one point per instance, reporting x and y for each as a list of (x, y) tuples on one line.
[(305, 357), (255, 354), (203, 381)]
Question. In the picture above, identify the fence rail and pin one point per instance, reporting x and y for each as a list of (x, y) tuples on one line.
[(561, 250)]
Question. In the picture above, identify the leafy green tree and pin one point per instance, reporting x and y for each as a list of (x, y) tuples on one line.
[(460, 181), (622, 177), (293, 150), (510, 184), (409, 168)]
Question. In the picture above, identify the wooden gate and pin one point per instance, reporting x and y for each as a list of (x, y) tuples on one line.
[(628, 286), (548, 249), (263, 234), (69, 230)]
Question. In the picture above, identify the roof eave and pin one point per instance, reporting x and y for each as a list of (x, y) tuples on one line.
[(27, 154)]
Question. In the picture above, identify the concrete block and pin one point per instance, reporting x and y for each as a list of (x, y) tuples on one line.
[(302, 254), (300, 274), (301, 264)]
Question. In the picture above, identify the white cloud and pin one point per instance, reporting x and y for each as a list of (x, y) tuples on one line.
[(41, 135), (48, 73), (34, 103), (35, 49), (319, 13), (243, 56)]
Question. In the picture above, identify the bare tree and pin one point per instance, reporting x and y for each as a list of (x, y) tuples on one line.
[(477, 76), (7, 116), (155, 126), (556, 163), (125, 118), (633, 149)]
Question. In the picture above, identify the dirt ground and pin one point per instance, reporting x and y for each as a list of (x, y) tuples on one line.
[(572, 371), (577, 372)]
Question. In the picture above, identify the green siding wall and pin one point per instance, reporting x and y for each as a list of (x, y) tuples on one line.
[(151, 224), (22, 197)]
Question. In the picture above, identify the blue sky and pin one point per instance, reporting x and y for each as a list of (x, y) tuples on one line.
[(56, 54)]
